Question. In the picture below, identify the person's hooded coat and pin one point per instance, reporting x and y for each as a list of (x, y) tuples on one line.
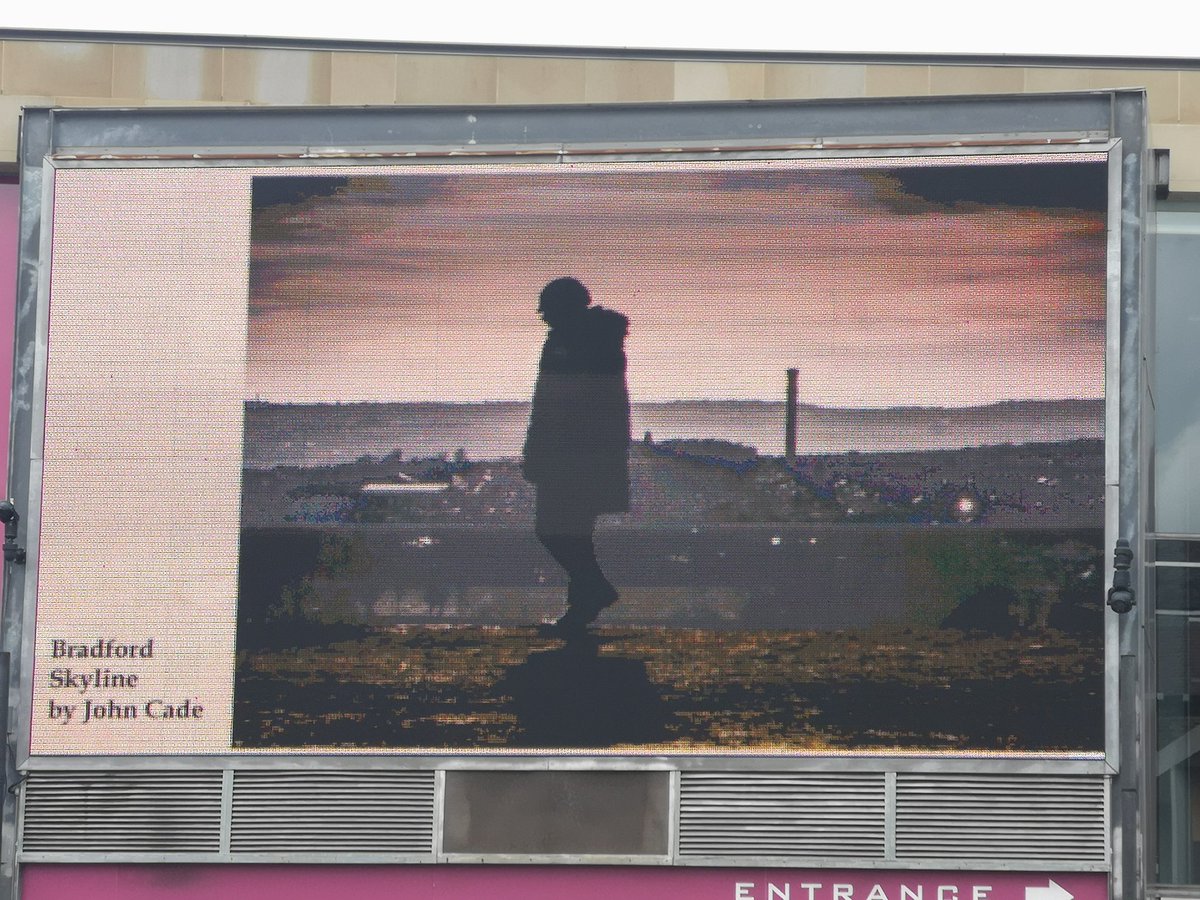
[(578, 438)]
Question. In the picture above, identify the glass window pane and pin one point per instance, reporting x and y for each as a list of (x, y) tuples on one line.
[(1177, 367), (1183, 550), (1178, 758), (1178, 588)]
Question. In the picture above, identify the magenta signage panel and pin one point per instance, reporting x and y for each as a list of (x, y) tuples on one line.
[(192, 882)]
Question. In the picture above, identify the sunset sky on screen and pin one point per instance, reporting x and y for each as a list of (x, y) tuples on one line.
[(421, 283)]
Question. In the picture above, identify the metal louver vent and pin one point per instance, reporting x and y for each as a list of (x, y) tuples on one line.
[(1000, 817), (323, 811), (799, 814), (94, 812)]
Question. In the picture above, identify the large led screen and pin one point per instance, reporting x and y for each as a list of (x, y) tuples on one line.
[(737, 456)]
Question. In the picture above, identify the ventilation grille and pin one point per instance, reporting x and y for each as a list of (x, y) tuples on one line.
[(351, 812), (149, 812), (1000, 817), (730, 814), (977, 819)]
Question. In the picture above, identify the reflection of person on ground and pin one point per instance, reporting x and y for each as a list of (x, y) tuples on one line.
[(577, 446)]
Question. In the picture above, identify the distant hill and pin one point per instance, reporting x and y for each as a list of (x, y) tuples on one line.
[(329, 434)]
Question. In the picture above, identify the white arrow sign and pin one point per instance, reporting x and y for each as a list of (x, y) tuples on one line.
[(1053, 892)]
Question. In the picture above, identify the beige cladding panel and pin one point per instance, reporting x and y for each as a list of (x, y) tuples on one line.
[(429, 78), (897, 81), (540, 80), (800, 81), (356, 79), (626, 81), (276, 77), (976, 80), (1189, 97), (156, 72), (719, 81), (50, 68)]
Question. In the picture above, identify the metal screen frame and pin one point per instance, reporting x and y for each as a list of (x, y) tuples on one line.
[(1111, 121)]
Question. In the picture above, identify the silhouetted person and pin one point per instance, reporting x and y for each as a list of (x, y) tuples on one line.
[(577, 446)]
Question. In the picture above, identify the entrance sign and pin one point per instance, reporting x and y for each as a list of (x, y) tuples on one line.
[(544, 883)]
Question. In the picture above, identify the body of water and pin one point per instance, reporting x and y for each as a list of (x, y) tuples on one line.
[(308, 435)]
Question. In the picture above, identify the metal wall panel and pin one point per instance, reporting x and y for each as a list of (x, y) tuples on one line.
[(869, 818), (362, 812), (1001, 817), (801, 814), (132, 812)]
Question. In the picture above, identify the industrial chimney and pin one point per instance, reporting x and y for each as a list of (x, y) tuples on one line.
[(789, 426)]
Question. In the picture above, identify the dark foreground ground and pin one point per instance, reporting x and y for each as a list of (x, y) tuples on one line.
[(668, 689)]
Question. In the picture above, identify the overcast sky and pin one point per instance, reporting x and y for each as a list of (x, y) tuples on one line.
[(422, 285), (1097, 28)]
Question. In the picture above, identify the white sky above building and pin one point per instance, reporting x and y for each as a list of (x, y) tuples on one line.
[(1103, 28)]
